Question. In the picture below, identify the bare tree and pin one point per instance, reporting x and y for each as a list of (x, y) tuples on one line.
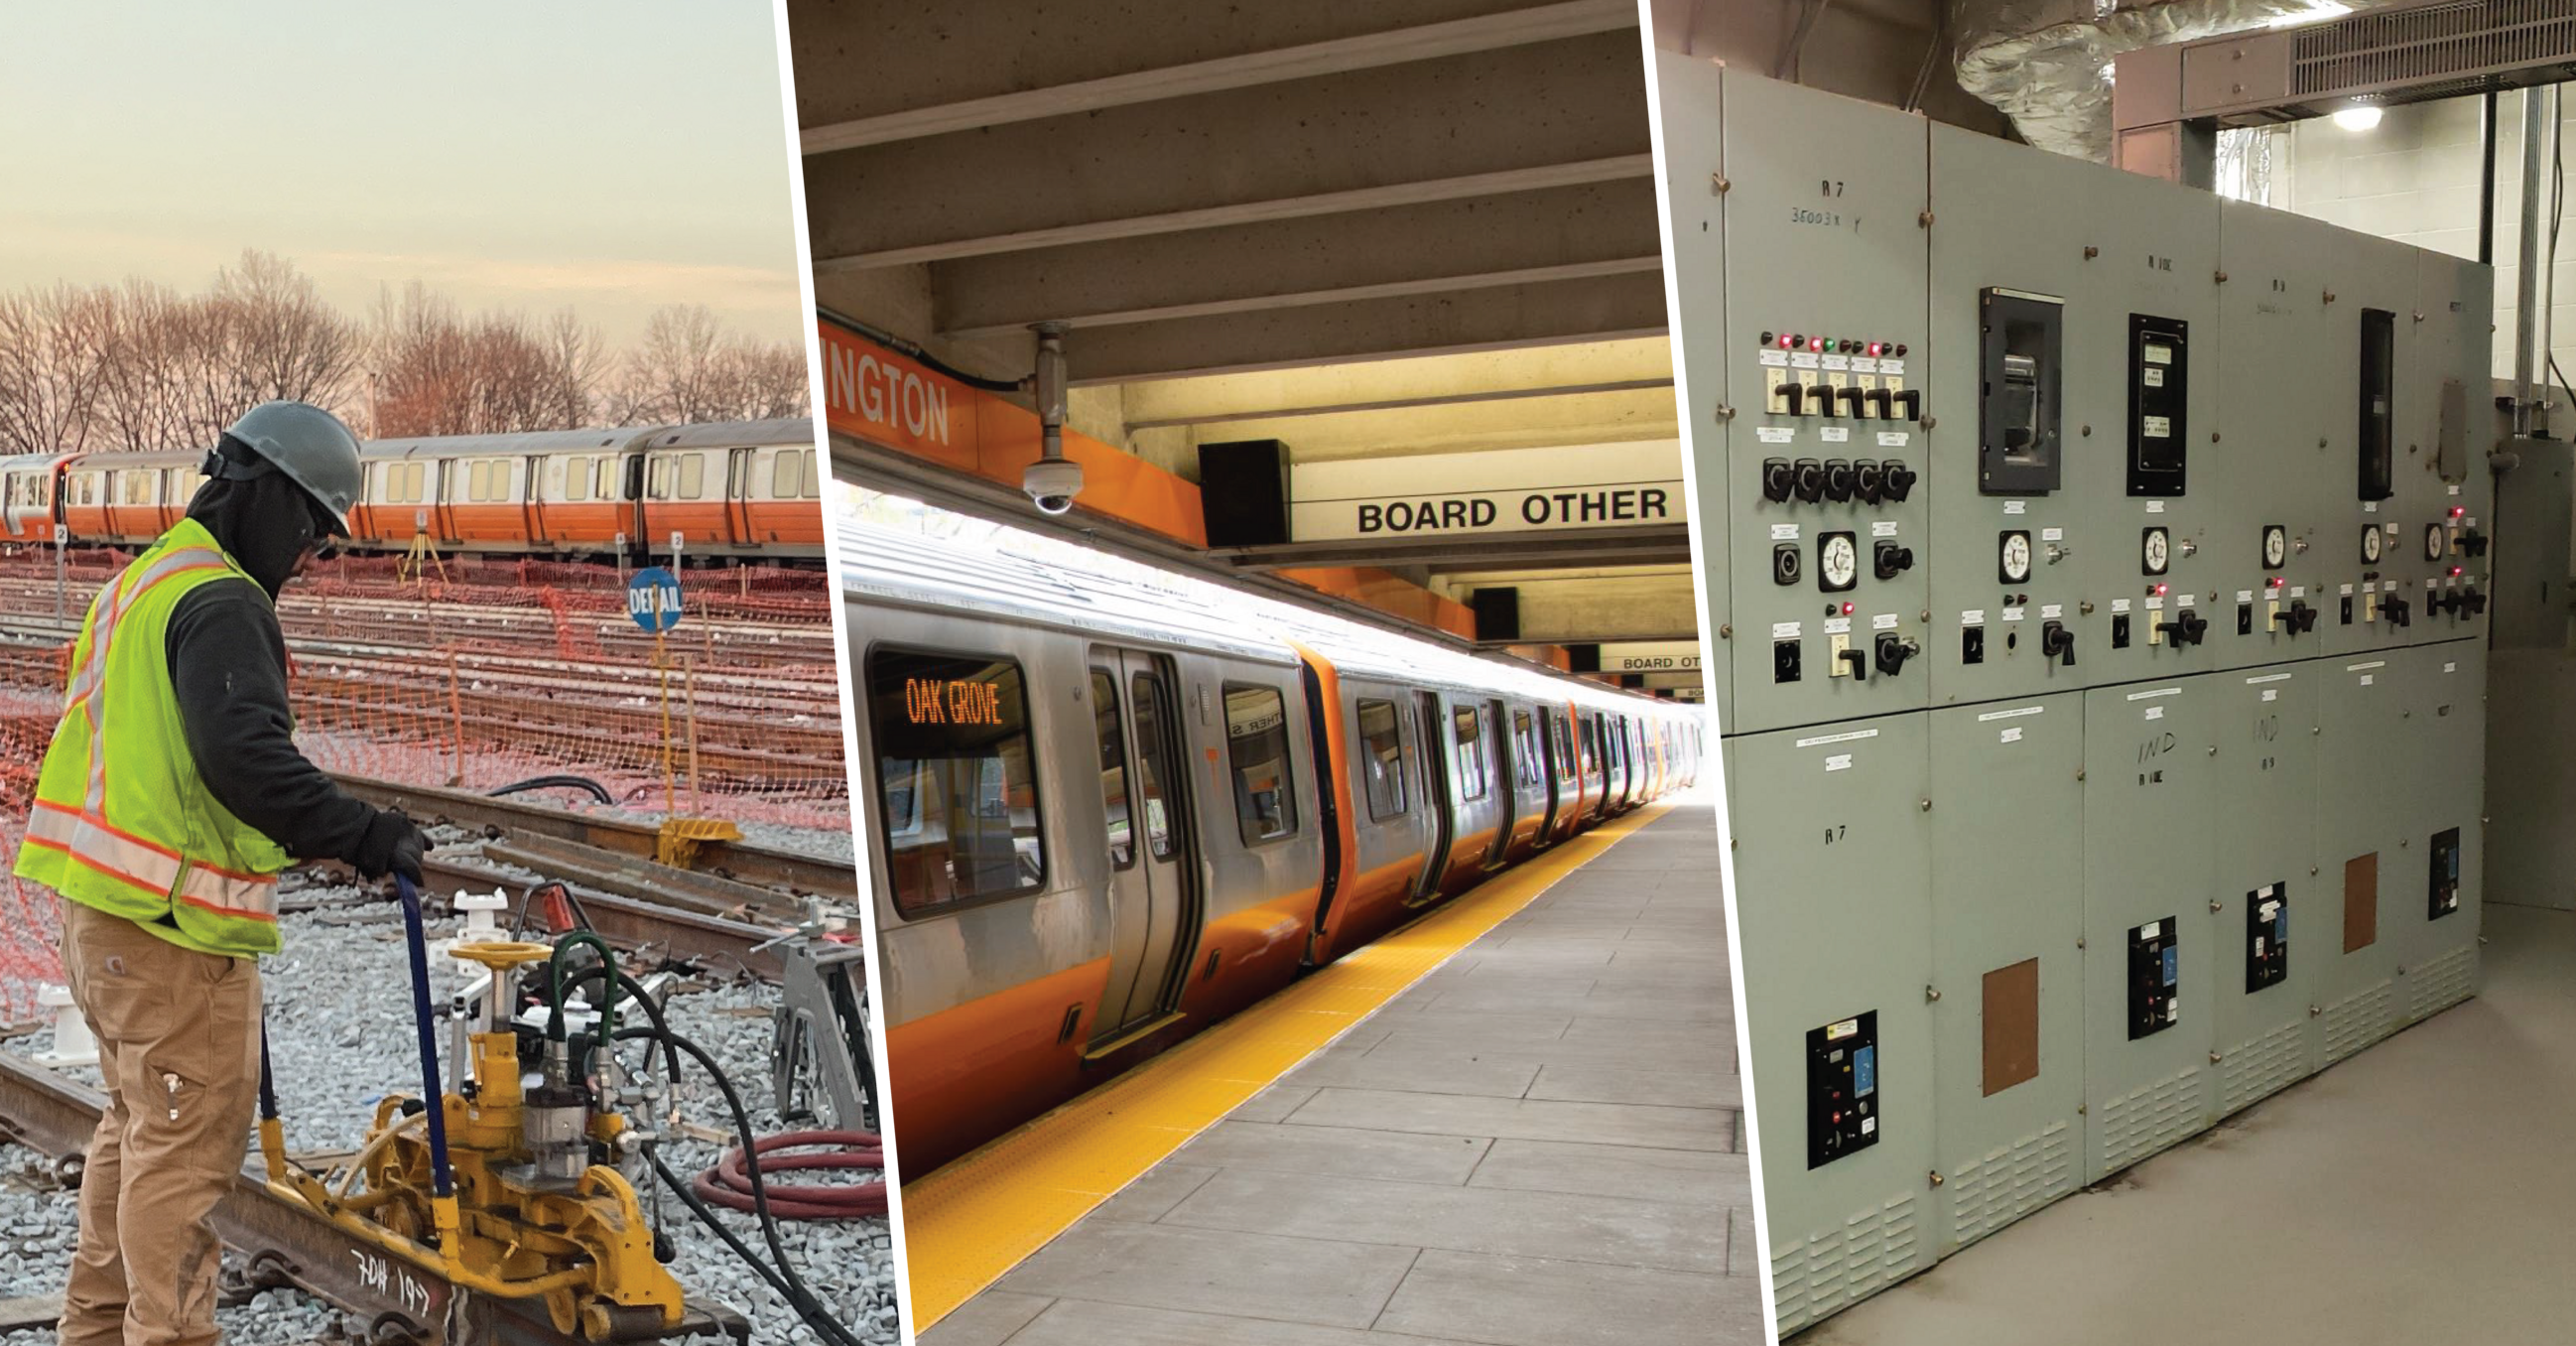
[(688, 369), (51, 344), (143, 366)]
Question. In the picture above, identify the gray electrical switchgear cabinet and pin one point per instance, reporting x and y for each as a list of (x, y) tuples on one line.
[(2098, 571)]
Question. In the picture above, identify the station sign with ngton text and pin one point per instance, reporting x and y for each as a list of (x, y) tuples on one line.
[(1636, 484)]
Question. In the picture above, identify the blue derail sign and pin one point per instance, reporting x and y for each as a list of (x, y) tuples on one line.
[(653, 599)]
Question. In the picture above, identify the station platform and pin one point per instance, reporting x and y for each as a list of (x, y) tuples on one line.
[(1517, 1120)]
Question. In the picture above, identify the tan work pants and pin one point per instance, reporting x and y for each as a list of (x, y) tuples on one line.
[(178, 1041)]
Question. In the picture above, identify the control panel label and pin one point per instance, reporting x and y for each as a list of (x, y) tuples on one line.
[(1893, 439), (1883, 528), (2013, 714), (1775, 359), (1835, 434), (1777, 434), (2155, 507), (2052, 535), (2012, 735), (2015, 506), (1784, 532), (1883, 621), (1840, 761), (1973, 617), (1784, 630), (1852, 736)]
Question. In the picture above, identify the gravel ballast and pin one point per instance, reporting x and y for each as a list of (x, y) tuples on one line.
[(341, 1037)]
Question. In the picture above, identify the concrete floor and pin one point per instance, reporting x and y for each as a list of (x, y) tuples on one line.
[(2419, 1192), (1536, 1145)]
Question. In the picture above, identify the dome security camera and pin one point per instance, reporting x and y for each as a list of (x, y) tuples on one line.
[(1052, 483)]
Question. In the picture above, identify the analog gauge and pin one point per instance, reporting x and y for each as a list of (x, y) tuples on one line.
[(2155, 552), (1837, 562), (2370, 542), (2276, 546), (2015, 561), (2433, 542)]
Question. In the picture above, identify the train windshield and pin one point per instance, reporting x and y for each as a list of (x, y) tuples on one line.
[(956, 781), (1256, 734)]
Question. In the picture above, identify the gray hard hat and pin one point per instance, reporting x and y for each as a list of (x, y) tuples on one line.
[(311, 447)]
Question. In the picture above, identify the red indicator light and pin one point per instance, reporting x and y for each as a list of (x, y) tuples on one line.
[(2272, 583), (2163, 589), (1847, 608), (2455, 572), (2457, 511), (1877, 349), (1815, 343), (1786, 341)]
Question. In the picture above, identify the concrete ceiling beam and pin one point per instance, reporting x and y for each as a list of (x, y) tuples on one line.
[(1514, 119), (1386, 45), (1556, 234), (1608, 366), (1537, 314)]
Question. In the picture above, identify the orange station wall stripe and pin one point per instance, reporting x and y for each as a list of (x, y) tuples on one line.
[(876, 395), (1391, 594)]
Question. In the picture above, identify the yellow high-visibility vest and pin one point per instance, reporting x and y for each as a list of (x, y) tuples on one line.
[(123, 823)]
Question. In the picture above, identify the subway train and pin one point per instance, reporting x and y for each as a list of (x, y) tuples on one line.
[(739, 489), (1107, 812)]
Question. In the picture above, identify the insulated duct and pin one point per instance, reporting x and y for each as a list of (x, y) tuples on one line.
[(2046, 63)]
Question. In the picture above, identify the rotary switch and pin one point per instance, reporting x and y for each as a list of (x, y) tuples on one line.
[(2056, 642), (2474, 602), (1893, 651), (2299, 617), (1869, 480), (1888, 560), (2473, 542), (1808, 480), (2397, 611), (2187, 628), (1838, 480), (1900, 480), (1776, 478)]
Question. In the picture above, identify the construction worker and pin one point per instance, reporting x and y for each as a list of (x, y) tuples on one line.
[(170, 800)]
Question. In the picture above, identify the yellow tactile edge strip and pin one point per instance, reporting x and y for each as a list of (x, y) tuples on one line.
[(976, 1218)]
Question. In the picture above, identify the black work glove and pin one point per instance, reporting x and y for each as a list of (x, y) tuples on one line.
[(392, 845)]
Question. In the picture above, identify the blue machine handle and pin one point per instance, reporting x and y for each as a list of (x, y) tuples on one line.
[(436, 1097)]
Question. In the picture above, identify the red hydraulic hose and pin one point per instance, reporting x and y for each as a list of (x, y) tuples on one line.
[(729, 1183)]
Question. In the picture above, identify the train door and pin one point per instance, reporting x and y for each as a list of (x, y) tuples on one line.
[(633, 514), (532, 500), (1505, 754), (1551, 771), (739, 485), (1437, 796), (1154, 906)]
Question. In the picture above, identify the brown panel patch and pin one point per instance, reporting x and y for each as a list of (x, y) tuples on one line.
[(2012, 1025), (2360, 902)]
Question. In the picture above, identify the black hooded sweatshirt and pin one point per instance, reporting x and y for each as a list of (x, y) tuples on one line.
[(228, 665)]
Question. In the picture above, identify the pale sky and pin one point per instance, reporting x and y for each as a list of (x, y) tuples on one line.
[(525, 154)]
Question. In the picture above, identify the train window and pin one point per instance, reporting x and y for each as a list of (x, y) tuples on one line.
[(787, 477), (956, 780), (1591, 725), (478, 481), (813, 482), (1256, 740), (1382, 759), (657, 478), (577, 479), (1465, 723), (1113, 764), (1528, 770), (418, 475), (1146, 691), (693, 475)]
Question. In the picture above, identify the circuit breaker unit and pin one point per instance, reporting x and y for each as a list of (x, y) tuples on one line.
[(2099, 577)]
